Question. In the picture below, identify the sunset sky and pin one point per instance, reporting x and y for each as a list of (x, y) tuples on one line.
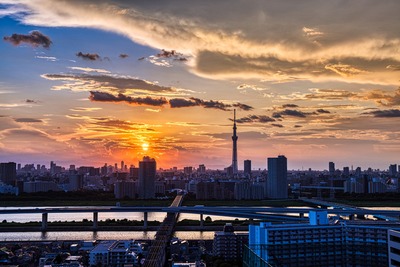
[(95, 81)]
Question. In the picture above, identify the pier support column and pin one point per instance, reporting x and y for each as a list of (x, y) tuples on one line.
[(351, 217), (145, 219), (95, 220), (201, 221), (301, 215), (44, 221)]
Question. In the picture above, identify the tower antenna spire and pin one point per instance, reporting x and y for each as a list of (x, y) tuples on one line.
[(234, 146)]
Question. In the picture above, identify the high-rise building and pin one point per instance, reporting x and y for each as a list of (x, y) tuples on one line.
[(234, 148), (187, 170), (125, 189), (346, 171), (122, 165), (75, 182), (147, 177), (247, 167), (276, 186), (8, 173), (393, 169), (201, 169), (321, 242), (331, 168), (394, 248), (52, 167)]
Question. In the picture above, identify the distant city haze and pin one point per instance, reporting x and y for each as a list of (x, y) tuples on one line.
[(94, 82)]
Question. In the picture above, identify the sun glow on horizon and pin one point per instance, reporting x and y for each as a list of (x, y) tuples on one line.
[(145, 146)]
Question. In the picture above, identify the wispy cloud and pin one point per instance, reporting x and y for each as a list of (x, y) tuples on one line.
[(48, 58), (289, 112), (82, 109), (255, 119), (344, 69), (28, 120), (86, 69), (90, 82)]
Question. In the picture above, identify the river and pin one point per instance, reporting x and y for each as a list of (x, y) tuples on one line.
[(101, 235)]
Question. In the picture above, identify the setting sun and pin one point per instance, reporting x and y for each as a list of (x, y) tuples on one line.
[(145, 146)]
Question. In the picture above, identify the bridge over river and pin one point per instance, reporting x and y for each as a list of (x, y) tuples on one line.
[(157, 251)]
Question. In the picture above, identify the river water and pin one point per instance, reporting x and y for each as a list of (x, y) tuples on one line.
[(100, 235), (106, 235)]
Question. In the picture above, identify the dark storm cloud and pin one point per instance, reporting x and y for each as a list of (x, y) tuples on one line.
[(178, 103), (107, 97), (255, 119), (290, 106), (171, 54), (242, 106), (151, 101), (389, 113), (211, 104), (181, 103), (277, 125), (88, 56), (28, 120), (289, 112), (323, 111), (192, 102), (34, 38)]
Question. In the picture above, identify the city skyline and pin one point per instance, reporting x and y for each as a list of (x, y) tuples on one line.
[(88, 82)]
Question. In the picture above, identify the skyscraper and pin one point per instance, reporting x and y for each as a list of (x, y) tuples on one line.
[(393, 169), (277, 178), (331, 168), (234, 148), (8, 173), (247, 167), (147, 177)]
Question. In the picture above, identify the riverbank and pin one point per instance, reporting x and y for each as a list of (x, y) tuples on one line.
[(26, 202)]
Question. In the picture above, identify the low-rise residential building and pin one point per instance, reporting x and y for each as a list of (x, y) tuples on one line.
[(228, 244), (115, 253)]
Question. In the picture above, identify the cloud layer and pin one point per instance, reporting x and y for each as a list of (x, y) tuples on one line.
[(310, 44), (96, 96)]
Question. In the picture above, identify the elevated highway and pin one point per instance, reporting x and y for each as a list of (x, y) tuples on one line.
[(259, 213), (158, 249)]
